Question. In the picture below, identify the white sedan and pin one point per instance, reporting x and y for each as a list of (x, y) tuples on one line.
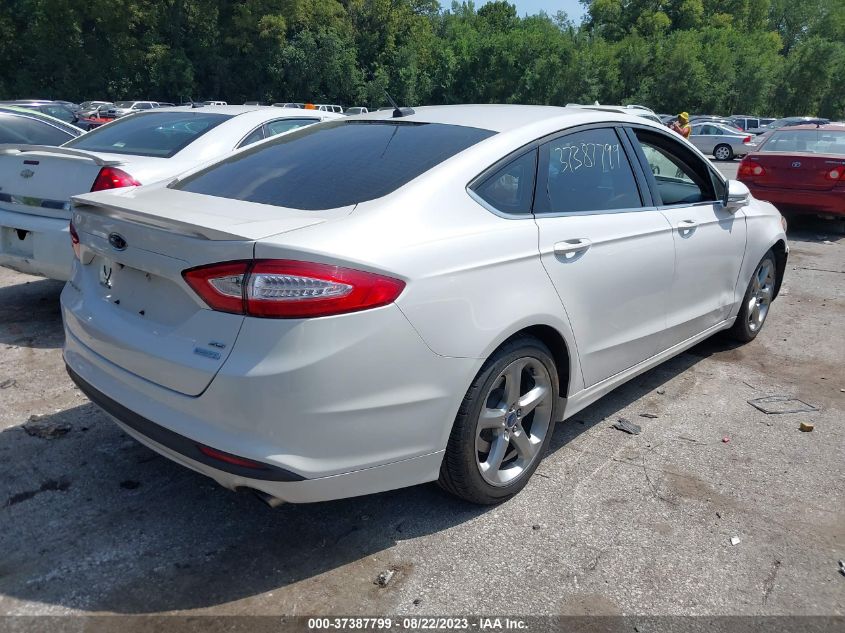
[(406, 297), (37, 182)]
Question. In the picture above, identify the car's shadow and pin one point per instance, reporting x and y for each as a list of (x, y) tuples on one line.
[(30, 315), (94, 521)]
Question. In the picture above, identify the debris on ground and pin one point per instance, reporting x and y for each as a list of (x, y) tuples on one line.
[(661, 391), (687, 439), (776, 405), (536, 526), (9, 382), (383, 578), (735, 540), (130, 484), (842, 567), (726, 439), (45, 429), (623, 424), (807, 427), (650, 416), (417, 601)]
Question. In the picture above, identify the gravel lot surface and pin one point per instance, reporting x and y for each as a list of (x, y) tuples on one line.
[(92, 522)]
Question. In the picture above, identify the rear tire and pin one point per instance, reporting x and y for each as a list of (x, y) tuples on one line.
[(757, 301), (723, 152), (504, 424)]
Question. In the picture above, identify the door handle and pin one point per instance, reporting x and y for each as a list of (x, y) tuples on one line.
[(571, 247), (687, 225)]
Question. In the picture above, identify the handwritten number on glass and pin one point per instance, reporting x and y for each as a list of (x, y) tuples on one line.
[(579, 156)]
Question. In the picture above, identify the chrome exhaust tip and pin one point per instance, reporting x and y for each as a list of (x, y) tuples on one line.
[(270, 500)]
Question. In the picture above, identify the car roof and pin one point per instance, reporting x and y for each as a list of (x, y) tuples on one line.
[(231, 110), (823, 127), (504, 118)]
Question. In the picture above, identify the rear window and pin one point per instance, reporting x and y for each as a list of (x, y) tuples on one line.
[(809, 141), (333, 164), (157, 134)]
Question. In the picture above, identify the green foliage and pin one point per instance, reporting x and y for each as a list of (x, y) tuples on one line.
[(754, 56)]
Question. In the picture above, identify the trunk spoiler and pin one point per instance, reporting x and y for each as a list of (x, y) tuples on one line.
[(12, 149), (213, 222)]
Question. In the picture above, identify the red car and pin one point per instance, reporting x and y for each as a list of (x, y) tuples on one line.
[(800, 169)]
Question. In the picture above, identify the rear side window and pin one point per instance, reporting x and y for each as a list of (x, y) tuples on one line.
[(286, 125), (587, 172), (333, 164), (20, 129), (511, 188), (809, 141), (159, 134)]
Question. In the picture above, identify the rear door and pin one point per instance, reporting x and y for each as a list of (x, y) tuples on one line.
[(606, 248), (704, 137), (709, 240)]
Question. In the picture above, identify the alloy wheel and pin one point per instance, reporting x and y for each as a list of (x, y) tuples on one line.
[(722, 153), (514, 421), (762, 291)]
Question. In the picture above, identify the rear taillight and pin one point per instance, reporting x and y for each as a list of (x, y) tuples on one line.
[(837, 174), (113, 178), (74, 240), (286, 289), (747, 139), (750, 169)]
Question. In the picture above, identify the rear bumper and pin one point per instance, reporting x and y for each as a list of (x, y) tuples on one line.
[(44, 250), (802, 201), (333, 409)]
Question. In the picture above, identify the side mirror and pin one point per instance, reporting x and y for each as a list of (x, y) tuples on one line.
[(737, 196)]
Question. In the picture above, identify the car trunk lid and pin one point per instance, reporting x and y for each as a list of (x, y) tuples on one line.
[(40, 180), (135, 308), (810, 172)]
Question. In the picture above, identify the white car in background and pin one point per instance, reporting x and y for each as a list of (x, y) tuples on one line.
[(396, 298), (37, 182)]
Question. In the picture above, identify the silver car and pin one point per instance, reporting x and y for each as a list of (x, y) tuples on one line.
[(721, 141), (402, 297)]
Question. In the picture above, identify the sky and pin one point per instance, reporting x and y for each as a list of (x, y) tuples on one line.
[(573, 8)]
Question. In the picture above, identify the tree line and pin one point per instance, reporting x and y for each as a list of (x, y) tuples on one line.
[(775, 57)]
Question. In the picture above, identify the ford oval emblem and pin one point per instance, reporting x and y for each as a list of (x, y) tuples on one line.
[(796, 164), (27, 173), (117, 241)]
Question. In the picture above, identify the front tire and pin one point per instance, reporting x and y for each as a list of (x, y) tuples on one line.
[(723, 152), (757, 300), (504, 424)]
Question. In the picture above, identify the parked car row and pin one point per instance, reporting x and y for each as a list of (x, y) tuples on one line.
[(310, 316), (36, 184)]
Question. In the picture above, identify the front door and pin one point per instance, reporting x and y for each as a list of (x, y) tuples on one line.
[(709, 239), (607, 250)]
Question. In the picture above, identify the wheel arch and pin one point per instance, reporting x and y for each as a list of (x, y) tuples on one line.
[(779, 249), (552, 338)]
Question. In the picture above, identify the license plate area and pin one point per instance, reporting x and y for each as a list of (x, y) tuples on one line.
[(16, 242), (145, 295)]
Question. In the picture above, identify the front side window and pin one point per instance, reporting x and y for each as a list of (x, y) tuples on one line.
[(156, 134), (333, 164), (679, 174), (586, 172), (511, 188)]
